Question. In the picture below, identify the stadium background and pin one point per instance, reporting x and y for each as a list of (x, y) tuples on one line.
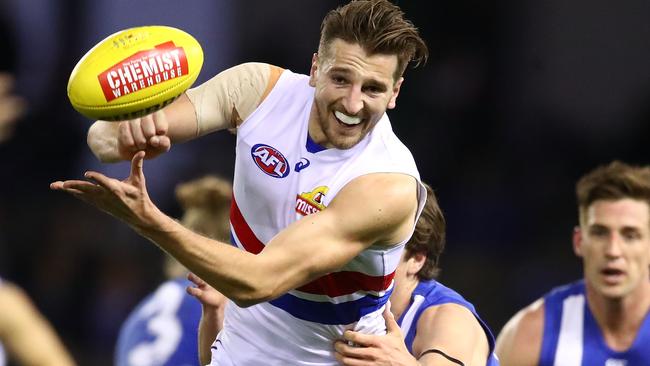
[(519, 98)]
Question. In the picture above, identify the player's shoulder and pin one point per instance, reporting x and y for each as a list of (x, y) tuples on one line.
[(520, 340), (256, 68), (393, 189), (451, 313), (529, 321)]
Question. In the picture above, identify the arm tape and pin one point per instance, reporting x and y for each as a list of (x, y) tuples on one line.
[(433, 350)]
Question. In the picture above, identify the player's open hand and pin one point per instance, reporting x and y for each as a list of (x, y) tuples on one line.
[(206, 294), (213, 302), (374, 350), (127, 200)]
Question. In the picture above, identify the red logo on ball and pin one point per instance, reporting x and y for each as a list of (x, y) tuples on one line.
[(143, 69)]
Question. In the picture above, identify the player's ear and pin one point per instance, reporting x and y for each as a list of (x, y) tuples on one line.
[(577, 241), (313, 70), (415, 263), (396, 88)]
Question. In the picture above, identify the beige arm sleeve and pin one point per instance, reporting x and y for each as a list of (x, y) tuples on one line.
[(227, 99)]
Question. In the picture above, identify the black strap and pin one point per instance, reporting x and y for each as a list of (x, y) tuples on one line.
[(433, 350)]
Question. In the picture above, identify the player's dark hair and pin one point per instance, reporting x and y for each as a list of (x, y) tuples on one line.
[(614, 181), (429, 237), (379, 27)]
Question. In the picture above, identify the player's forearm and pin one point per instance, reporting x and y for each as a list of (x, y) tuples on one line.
[(235, 273), (209, 326)]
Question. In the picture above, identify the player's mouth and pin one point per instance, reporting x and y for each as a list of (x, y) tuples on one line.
[(612, 276), (346, 120)]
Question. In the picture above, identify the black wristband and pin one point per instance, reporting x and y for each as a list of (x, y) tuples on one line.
[(433, 350)]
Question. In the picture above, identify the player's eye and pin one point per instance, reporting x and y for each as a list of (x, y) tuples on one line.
[(630, 235), (598, 231), (339, 79)]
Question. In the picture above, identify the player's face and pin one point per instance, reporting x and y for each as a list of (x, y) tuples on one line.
[(614, 242), (353, 90)]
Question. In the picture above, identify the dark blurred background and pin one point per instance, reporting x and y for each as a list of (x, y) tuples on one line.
[(519, 99)]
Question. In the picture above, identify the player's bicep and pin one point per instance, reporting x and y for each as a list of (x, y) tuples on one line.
[(451, 329), (227, 99)]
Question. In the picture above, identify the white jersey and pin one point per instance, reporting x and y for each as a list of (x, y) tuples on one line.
[(281, 176)]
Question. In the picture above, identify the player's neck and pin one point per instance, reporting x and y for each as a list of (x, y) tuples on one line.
[(401, 296), (314, 128), (620, 319)]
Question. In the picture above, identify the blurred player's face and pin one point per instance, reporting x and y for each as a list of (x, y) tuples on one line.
[(353, 90), (614, 243)]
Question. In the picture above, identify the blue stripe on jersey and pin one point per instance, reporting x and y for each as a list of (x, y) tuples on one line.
[(233, 242), (330, 313), (596, 350)]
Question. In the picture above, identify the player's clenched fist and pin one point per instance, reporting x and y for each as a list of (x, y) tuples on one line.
[(115, 141)]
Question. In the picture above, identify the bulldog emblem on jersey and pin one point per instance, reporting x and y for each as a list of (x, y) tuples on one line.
[(270, 160), (311, 202)]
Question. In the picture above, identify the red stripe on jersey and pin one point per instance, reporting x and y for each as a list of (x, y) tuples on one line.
[(347, 282), (333, 284), (244, 233)]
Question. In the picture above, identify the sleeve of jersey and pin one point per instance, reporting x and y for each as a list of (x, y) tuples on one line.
[(231, 96)]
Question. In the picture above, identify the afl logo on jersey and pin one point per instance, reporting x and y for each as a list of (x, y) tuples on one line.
[(270, 160)]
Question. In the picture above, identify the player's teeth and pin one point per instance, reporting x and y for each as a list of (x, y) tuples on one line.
[(348, 120)]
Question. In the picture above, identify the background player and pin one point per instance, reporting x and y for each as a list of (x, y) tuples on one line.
[(162, 330), (603, 318), (301, 282)]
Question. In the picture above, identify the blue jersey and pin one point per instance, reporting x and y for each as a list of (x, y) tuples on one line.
[(432, 293), (162, 330), (572, 336)]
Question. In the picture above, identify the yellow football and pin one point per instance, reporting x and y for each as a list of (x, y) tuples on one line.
[(134, 72)]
